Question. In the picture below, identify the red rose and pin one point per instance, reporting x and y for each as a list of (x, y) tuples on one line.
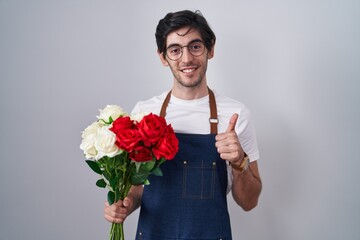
[(127, 136), (122, 123), (167, 146), (151, 128), (128, 139), (141, 154)]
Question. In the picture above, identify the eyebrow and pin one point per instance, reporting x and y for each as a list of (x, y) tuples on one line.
[(192, 41)]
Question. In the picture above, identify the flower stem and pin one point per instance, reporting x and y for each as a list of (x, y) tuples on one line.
[(117, 232)]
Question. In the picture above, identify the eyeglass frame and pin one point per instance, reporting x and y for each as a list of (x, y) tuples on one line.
[(187, 46)]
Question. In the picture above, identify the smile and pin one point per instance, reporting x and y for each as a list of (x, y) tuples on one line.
[(188, 70)]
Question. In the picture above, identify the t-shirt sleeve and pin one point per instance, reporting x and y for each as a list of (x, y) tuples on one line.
[(247, 136)]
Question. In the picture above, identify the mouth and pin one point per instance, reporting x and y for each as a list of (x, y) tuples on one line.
[(188, 70)]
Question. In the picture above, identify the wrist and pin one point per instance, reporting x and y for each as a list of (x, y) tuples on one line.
[(244, 164)]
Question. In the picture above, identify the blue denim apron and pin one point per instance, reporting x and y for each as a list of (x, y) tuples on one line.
[(189, 200)]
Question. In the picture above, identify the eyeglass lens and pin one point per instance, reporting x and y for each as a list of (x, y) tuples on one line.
[(175, 52)]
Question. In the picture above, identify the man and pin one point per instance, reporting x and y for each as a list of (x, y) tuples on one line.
[(217, 145)]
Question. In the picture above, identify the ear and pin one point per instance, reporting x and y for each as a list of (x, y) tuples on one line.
[(210, 54), (163, 58)]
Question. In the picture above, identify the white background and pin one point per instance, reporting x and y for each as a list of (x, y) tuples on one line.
[(295, 64)]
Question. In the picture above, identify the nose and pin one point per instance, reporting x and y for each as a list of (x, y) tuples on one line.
[(186, 55)]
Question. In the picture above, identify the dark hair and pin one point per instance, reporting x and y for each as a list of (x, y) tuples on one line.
[(186, 18)]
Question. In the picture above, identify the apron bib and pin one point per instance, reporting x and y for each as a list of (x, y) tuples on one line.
[(189, 200)]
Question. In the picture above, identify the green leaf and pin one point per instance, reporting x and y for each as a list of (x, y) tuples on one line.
[(118, 160), (114, 181), (140, 176), (101, 161), (138, 179), (161, 161), (94, 166), (157, 172), (108, 161), (107, 175), (147, 182), (147, 166), (101, 183), (111, 197), (110, 120), (117, 195)]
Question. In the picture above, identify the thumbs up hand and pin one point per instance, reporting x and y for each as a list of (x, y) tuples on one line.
[(228, 144)]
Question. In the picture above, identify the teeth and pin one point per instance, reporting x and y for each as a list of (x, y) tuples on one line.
[(188, 70)]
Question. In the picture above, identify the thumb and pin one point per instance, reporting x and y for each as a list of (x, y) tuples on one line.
[(232, 122), (126, 202)]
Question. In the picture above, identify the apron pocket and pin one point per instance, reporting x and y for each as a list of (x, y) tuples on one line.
[(199, 179)]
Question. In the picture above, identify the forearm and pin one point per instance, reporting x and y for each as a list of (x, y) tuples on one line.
[(136, 193), (246, 187)]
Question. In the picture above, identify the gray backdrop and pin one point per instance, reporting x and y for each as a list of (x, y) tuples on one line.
[(295, 64)]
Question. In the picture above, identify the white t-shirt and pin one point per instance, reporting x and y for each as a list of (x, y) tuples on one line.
[(192, 116)]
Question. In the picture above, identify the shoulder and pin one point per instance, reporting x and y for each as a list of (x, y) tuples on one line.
[(150, 105), (228, 106)]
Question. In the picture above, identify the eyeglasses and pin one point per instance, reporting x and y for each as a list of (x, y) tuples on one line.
[(175, 52)]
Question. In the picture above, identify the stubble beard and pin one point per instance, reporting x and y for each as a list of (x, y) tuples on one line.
[(192, 84)]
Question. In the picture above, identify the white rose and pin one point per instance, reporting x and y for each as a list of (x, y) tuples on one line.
[(112, 111), (105, 143), (88, 140), (137, 117)]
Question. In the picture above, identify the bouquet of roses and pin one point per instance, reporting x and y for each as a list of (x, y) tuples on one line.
[(125, 150)]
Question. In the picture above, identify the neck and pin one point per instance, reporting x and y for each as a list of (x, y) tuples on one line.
[(190, 93)]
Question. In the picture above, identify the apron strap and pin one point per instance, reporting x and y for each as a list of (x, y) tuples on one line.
[(165, 104), (213, 113), (213, 120)]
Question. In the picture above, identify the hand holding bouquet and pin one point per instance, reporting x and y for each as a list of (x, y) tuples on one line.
[(125, 150)]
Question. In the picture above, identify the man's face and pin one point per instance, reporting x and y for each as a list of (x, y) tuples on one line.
[(189, 71)]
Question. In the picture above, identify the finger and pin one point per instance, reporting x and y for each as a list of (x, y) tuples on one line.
[(228, 149), (119, 203), (224, 139), (115, 204), (115, 218), (114, 213), (232, 122), (110, 210), (116, 208), (233, 156)]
